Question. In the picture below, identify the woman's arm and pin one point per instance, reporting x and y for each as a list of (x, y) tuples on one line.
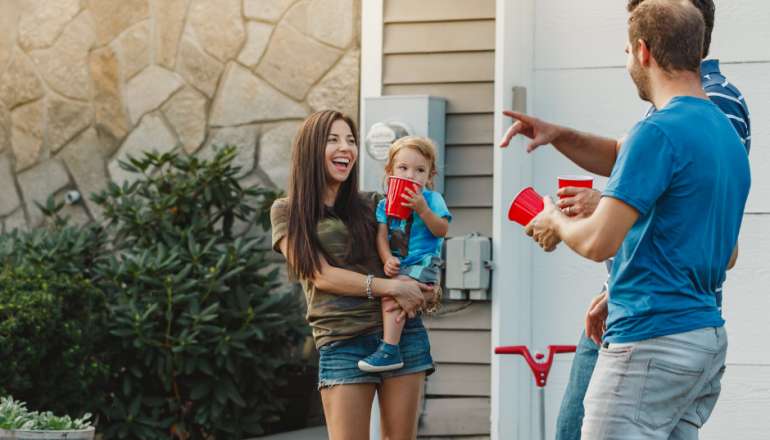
[(409, 294)]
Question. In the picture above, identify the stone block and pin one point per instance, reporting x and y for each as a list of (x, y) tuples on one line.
[(135, 49), (275, 151), (148, 90), (19, 83), (244, 98), (294, 62), (198, 68), (85, 161), (338, 90), (64, 66), (151, 134), (9, 198), (331, 21), (297, 16), (218, 26), (5, 128), (75, 214), (244, 137), (65, 120), (16, 221), (258, 35), (112, 17), (169, 23), (38, 183), (268, 10), (186, 112), (9, 23), (109, 114), (27, 124), (41, 22)]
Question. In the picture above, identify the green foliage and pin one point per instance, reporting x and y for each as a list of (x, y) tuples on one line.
[(61, 248), (14, 415), (196, 324), (50, 336)]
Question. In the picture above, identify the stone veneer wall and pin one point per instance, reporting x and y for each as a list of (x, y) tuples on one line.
[(86, 82)]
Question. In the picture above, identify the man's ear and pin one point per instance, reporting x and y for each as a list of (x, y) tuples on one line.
[(643, 55)]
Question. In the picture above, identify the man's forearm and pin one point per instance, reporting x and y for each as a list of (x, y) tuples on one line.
[(582, 236), (599, 236), (595, 154)]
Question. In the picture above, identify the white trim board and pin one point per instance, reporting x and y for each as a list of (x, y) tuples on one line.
[(371, 56), (512, 384), (371, 85)]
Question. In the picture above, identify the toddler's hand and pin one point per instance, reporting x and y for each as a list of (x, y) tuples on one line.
[(415, 200), (392, 265)]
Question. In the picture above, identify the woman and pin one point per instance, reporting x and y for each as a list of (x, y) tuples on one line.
[(326, 230)]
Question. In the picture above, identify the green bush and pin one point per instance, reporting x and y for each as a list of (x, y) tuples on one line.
[(51, 321), (199, 331)]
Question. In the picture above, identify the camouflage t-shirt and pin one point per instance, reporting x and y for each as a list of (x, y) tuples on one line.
[(334, 317)]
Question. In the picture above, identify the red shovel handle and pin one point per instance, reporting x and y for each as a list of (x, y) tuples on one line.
[(539, 369)]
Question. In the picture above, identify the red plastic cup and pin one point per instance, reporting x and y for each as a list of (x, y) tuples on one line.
[(526, 205), (396, 189), (575, 181)]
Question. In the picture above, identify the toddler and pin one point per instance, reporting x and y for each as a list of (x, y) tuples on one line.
[(412, 247)]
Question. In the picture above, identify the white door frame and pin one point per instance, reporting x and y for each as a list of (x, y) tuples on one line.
[(371, 57), (371, 85), (511, 383)]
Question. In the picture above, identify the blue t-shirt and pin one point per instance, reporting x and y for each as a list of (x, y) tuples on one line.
[(421, 242), (732, 103), (687, 174)]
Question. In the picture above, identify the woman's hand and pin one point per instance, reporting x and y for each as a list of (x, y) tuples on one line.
[(410, 297), (392, 266), (578, 202), (415, 200)]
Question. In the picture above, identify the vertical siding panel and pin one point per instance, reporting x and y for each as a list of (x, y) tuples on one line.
[(446, 48)]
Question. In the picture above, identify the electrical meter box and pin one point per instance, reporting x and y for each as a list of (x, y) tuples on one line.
[(388, 118), (468, 267)]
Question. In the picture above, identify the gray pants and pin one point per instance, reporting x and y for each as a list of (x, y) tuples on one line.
[(662, 388)]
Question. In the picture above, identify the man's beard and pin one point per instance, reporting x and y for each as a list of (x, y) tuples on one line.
[(641, 80)]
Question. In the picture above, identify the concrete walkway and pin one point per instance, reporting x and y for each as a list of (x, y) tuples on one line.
[(317, 433)]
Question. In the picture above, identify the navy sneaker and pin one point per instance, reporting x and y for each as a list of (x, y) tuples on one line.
[(386, 358)]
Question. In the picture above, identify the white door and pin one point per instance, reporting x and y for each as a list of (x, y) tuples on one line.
[(579, 79)]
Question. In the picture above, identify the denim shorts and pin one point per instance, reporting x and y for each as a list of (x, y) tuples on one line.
[(338, 360), (426, 271)]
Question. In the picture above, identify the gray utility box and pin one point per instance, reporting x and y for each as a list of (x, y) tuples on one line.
[(387, 118), (468, 267)]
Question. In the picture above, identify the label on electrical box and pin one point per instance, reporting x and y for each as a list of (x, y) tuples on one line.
[(378, 140)]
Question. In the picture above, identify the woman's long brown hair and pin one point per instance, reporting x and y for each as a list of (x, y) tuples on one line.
[(307, 186)]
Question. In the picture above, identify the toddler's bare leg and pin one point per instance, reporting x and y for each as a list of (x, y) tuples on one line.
[(390, 328)]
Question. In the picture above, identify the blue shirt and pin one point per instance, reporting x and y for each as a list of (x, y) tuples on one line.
[(732, 103), (422, 242), (687, 174), (728, 98)]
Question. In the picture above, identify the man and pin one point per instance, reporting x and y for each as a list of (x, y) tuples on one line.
[(674, 201), (582, 202)]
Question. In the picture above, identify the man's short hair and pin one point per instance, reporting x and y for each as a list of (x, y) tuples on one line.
[(672, 30), (706, 8)]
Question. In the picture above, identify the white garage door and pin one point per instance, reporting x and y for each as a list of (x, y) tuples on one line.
[(580, 81)]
